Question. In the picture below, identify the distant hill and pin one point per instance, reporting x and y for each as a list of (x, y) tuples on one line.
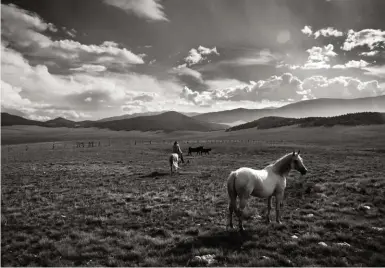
[(59, 122), (11, 120), (314, 108), (168, 121), (353, 119), (128, 116)]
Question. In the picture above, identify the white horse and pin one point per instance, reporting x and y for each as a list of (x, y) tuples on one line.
[(174, 160), (246, 182)]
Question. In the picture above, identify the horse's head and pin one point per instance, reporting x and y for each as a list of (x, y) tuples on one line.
[(297, 163)]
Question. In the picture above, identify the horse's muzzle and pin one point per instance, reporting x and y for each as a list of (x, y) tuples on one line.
[(303, 171)]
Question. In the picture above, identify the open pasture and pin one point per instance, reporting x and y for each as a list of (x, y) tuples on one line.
[(118, 205)]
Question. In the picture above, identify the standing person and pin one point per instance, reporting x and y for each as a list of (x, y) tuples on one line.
[(176, 149)]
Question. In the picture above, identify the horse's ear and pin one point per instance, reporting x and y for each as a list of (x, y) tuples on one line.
[(298, 152), (293, 153)]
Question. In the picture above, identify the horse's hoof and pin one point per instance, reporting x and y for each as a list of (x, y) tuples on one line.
[(279, 222), (268, 221)]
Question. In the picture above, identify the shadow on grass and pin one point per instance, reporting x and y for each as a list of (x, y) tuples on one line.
[(155, 174), (225, 240)]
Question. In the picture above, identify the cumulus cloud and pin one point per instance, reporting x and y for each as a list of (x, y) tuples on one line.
[(10, 97), (352, 64), (327, 32), (341, 87), (372, 38), (12, 100), (307, 30), (207, 51), (27, 32), (196, 56), (35, 91), (287, 87), (202, 99), (319, 58), (23, 26), (321, 54), (276, 88), (370, 53), (147, 9), (184, 70)]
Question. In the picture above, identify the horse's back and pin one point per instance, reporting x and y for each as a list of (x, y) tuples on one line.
[(254, 181), (173, 158), (259, 174)]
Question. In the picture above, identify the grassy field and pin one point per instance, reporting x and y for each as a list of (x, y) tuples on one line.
[(118, 205)]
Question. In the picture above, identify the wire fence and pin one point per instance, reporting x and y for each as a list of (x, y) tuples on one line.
[(18, 152)]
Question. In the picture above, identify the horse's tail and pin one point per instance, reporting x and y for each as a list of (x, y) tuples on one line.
[(232, 191)]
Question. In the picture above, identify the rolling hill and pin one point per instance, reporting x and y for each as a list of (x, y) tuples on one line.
[(11, 120), (128, 116), (168, 121), (352, 119), (314, 108)]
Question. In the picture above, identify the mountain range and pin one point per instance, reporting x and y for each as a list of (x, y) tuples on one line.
[(309, 108), (168, 121), (173, 121), (351, 119)]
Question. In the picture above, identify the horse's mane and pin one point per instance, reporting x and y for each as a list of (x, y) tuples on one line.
[(283, 164)]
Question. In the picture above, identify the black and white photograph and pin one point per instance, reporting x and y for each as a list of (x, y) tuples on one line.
[(192, 133)]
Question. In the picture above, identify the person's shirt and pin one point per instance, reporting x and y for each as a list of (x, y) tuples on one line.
[(176, 149)]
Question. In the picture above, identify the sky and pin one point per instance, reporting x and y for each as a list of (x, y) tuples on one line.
[(91, 59)]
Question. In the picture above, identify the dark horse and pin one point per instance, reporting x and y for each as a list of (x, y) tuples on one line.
[(206, 150), (198, 150)]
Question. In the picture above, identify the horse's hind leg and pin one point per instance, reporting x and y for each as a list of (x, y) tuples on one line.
[(242, 205), (232, 207)]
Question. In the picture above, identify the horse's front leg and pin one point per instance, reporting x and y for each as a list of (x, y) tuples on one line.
[(268, 209), (278, 201)]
